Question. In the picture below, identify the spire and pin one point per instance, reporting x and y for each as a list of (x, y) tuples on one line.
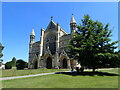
[(32, 33), (72, 19)]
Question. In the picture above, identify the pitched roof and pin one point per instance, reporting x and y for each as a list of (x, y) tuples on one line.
[(51, 25)]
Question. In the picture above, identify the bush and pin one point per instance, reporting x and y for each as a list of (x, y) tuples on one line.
[(20, 64), (8, 65)]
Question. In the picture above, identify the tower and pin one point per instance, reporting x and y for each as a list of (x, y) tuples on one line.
[(32, 38), (72, 24)]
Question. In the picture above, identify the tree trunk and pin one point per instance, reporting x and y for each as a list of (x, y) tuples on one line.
[(93, 69), (82, 69)]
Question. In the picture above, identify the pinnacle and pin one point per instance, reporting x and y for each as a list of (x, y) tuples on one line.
[(32, 33), (72, 19)]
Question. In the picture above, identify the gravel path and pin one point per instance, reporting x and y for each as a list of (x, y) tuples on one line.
[(8, 78)]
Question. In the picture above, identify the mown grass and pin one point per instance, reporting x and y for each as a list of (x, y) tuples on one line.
[(65, 81), (114, 70), (12, 72)]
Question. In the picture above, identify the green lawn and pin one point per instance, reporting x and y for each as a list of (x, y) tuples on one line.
[(65, 81), (10, 72)]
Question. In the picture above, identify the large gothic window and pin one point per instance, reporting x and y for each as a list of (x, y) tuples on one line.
[(51, 42), (52, 47)]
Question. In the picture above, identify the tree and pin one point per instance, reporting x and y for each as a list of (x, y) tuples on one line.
[(21, 64), (91, 42), (109, 60), (14, 62), (9, 65), (1, 48)]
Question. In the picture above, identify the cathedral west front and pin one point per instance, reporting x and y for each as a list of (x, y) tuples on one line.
[(51, 51)]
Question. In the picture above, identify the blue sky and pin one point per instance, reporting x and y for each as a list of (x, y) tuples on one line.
[(18, 19)]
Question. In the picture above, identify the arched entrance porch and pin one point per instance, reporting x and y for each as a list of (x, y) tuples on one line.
[(49, 63), (64, 63), (35, 64)]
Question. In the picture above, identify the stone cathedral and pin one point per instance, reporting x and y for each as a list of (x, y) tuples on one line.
[(51, 51)]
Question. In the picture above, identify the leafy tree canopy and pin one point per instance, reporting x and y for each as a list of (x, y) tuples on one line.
[(14, 62), (1, 48), (21, 64), (8, 65), (91, 42)]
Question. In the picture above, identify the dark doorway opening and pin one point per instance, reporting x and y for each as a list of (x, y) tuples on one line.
[(35, 65), (49, 63), (64, 63)]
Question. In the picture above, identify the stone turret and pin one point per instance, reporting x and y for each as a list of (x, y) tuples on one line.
[(32, 38), (72, 24)]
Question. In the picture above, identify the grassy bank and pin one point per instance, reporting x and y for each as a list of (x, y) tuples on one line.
[(109, 80), (10, 72)]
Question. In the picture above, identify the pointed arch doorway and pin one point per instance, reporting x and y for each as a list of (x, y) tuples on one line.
[(64, 63), (35, 64), (49, 63)]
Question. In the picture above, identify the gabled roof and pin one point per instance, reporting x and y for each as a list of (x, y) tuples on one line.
[(51, 25)]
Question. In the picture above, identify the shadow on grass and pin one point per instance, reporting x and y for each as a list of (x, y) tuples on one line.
[(87, 73)]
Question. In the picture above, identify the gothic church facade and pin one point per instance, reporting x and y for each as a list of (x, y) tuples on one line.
[(51, 51)]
